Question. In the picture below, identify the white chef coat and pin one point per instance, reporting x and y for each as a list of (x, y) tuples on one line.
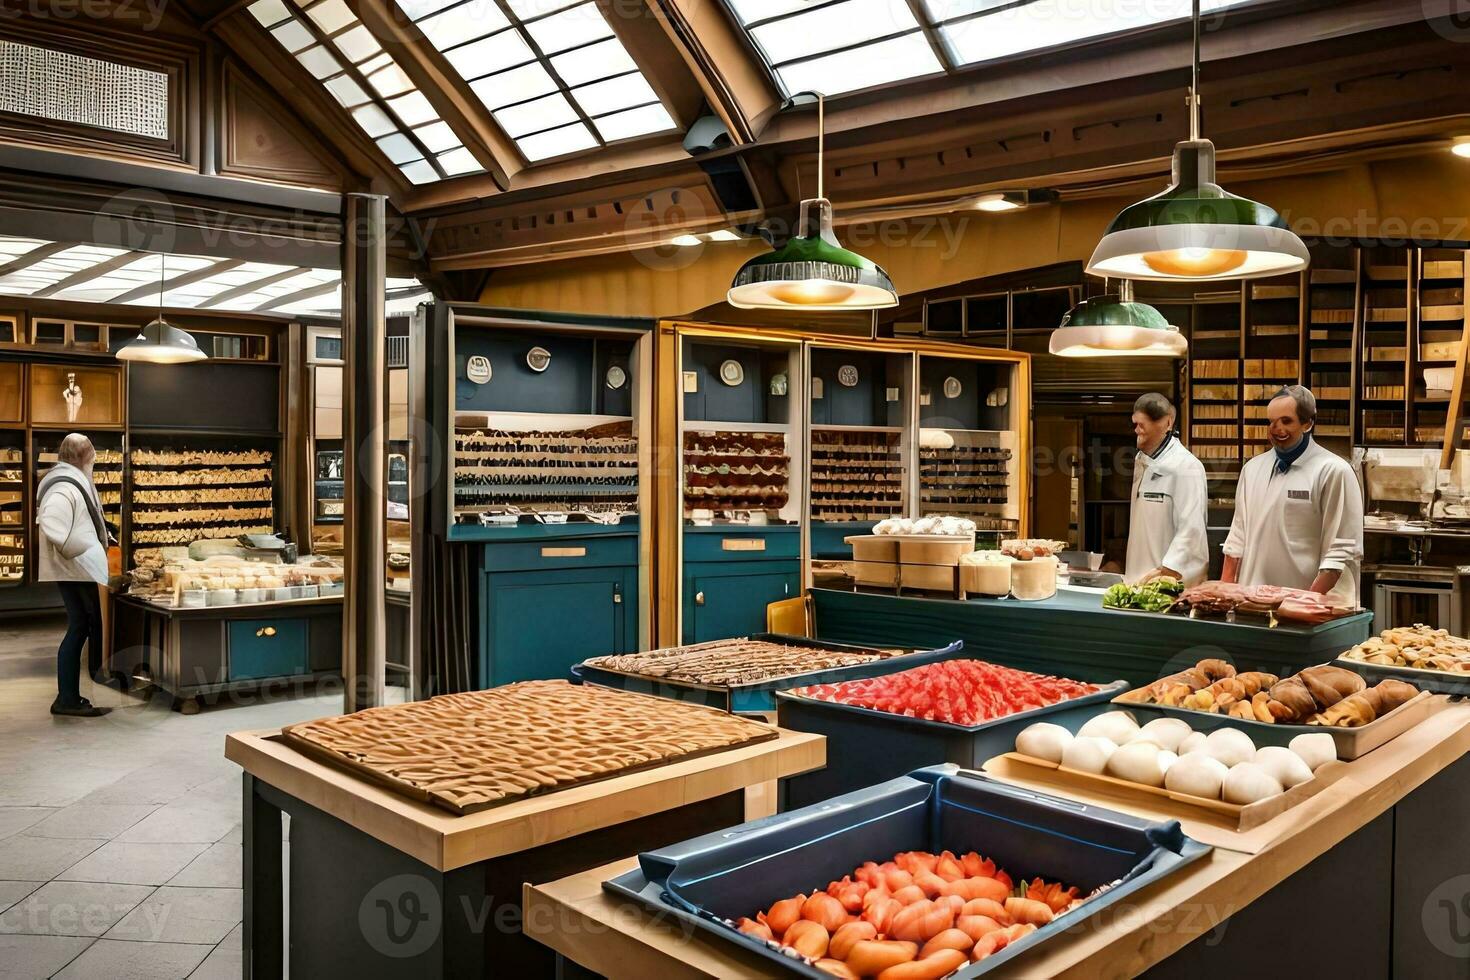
[(1288, 526), (1167, 513)]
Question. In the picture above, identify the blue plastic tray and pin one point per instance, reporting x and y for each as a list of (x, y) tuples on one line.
[(710, 881), (864, 745), (761, 696)]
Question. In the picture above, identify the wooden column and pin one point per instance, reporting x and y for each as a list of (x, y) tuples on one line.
[(364, 433)]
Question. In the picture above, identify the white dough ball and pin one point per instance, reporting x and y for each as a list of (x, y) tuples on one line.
[(1138, 762), (1315, 748), (1283, 765), (1231, 746), (1249, 783), (1044, 741), (1193, 742), (1197, 774), (1167, 760), (1117, 727), (1087, 753), (1167, 733)]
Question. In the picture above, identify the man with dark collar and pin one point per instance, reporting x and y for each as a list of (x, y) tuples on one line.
[(1298, 509), (1166, 516)]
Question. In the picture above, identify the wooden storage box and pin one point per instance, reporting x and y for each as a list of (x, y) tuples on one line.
[(928, 561), (874, 559)]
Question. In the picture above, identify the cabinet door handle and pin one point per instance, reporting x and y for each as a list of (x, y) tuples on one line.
[(617, 595), (699, 598)]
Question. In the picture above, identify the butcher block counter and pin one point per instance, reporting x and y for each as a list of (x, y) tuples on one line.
[(381, 885), (1072, 635), (1363, 880)]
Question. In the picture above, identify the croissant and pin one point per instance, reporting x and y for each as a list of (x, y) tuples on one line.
[(1242, 709), (1295, 700), (1255, 681), (1352, 711), (1329, 685), (1215, 670), (1389, 694)]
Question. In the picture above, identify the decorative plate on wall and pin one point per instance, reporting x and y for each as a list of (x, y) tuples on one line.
[(952, 387), (847, 376), (616, 377), (538, 359), (732, 373), (477, 369)]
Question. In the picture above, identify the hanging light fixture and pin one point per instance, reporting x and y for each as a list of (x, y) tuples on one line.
[(160, 342), (812, 271), (1194, 230), (1113, 325)]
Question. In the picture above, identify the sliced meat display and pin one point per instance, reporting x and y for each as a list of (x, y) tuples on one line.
[(958, 692), (1294, 605)]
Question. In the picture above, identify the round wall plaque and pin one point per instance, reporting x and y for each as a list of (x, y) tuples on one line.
[(847, 376), (952, 387), (538, 359), (477, 369), (616, 377), (732, 373)]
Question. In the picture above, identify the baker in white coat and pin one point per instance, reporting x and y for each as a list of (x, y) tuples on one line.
[(1298, 509), (1166, 515)]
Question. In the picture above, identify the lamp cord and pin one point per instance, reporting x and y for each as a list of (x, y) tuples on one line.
[(162, 274), (1194, 80), (822, 140)]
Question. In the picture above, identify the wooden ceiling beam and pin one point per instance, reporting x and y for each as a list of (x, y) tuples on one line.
[(450, 95), (83, 276), (310, 292), (246, 289), (38, 254), (178, 282), (735, 83)]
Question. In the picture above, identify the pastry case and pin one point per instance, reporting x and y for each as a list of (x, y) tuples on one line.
[(736, 411), (13, 531), (548, 485)]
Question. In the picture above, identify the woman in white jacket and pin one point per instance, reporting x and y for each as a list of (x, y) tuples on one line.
[(73, 554)]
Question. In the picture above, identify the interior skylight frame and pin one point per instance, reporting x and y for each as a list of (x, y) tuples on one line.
[(522, 29)]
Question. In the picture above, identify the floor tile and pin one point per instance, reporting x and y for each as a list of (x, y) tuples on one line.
[(40, 858), (14, 819), (180, 824), (218, 867), (37, 957), (13, 891), (182, 915), (223, 963), (95, 820), (72, 908), (128, 863), (107, 959)]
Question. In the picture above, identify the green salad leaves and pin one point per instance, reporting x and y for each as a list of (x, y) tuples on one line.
[(1156, 596)]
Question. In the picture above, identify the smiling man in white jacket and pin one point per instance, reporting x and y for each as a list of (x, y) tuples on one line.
[(1166, 516), (1298, 509), (73, 553)]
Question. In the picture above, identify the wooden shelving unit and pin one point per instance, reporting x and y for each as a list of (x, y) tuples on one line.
[(1439, 325), (1385, 307), (1329, 343)]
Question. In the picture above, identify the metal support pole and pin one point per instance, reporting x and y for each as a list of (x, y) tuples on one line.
[(364, 432)]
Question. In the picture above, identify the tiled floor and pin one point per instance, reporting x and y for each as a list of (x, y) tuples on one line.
[(119, 836)]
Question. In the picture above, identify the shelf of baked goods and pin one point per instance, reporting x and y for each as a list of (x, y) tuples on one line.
[(229, 580), (107, 476), (856, 473), (507, 464), (180, 495), (737, 472), (970, 473)]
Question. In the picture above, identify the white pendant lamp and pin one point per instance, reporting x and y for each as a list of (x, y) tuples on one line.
[(160, 342), (1195, 231), (812, 272)]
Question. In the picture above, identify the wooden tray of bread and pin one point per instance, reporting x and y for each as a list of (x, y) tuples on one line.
[(1326, 698), (1235, 816), (469, 752)]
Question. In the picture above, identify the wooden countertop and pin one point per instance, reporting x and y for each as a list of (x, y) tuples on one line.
[(444, 841), (622, 940)]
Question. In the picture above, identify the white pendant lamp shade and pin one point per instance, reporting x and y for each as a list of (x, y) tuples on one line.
[(1113, 325), (160, 342)]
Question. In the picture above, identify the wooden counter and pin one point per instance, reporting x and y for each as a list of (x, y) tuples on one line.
[(366, 864), (1382, 808)]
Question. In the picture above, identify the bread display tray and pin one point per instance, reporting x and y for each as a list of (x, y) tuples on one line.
[(1424, 678)]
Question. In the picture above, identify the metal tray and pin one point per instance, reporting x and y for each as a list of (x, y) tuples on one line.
[(760, 696), (709, 881), (1352, 743), (1437, 681)]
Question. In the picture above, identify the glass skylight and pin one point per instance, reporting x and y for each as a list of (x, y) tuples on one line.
[(837, 46), (329, 41), (551, 72)]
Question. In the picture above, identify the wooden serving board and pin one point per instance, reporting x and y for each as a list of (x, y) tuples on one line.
[(470, 752), (1233, 816)]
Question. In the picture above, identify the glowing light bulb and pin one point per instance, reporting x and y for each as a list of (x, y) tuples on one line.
[(1461, 149), (1195, 261), (811, 292)]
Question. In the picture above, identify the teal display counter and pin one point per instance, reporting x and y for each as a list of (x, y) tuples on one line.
[(552, 595), (1071, 635)]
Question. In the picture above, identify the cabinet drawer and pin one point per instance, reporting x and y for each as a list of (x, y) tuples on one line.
[(588, 552), (267, 648), (741, 544)]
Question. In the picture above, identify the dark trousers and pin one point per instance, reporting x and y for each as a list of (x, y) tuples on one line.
[(83, 625)]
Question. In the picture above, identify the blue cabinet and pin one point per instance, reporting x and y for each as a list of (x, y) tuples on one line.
[(267, 648), (550, 597), (732, 573)]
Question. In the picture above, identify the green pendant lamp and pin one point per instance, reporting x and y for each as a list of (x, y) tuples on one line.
[(812, 271), (1113, 325), (1195, 230), (160, 342)]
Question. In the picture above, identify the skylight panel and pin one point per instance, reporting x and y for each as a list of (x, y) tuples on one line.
[(857, 68), (831, 27), (335, 47), (536, 66)]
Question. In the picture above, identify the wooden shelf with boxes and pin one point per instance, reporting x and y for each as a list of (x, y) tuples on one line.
[(1438, 328)]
